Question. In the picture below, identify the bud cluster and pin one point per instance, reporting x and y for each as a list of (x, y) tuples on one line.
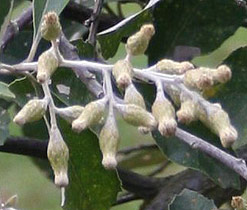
[(178, 99)]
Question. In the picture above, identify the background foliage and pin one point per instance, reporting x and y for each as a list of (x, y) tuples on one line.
[(208, 32)]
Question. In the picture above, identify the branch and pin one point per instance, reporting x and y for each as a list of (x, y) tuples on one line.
[(94, 19), (80, 13), (236, 164), (129, 150), (70, 52), (17, 25), (126, 198), (25, 146), (159, 191)]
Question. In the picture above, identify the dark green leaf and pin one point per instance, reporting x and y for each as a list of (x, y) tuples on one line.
[(5, 92), (181, 153), (23, 90), (202, 24), (190, 200), (91, 186), (4, 125), (69, 89)]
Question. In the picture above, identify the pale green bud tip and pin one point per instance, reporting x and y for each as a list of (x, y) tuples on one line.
[(185, 116), (148, 30), (167, 127), (34, 110), (109, 162), (238, 203), (61, 179), (123, 73), (143, 130), (228, 136), (138, 43), (224, 73), (50, 27), (79, 125)]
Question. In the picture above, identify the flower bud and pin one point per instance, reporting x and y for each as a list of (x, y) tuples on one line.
[(200, 78), (109, 140), (91, 115), (33, 111), (218, 121), (132, 96), (47, 64), (187, 112), (223, 74), (143, 130), (138, 43), (137, 116), (171, 67), (70, 113), (58, 155), (123, 73), (164, 113), (50, 26), (238, 203)]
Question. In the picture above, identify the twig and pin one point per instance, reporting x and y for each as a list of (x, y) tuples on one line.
[(94, 19), (129, 150), (236, 164), (126, 198), (16, 26), (69, 52), (159, 169)]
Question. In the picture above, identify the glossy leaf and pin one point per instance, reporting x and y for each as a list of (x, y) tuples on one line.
[(23, 90), (190, 200), (69, 89), (5, 92), (91, 186), (194, 23), (181, 153)]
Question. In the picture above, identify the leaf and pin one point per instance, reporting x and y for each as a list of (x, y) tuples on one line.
[(41, 7), (181, 153), (4, 125), (190, 200), (5, 92), (5, 15), (195, 23), (91, 186), (23, 90), (215, 58), (69, 89), (111, 38)]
